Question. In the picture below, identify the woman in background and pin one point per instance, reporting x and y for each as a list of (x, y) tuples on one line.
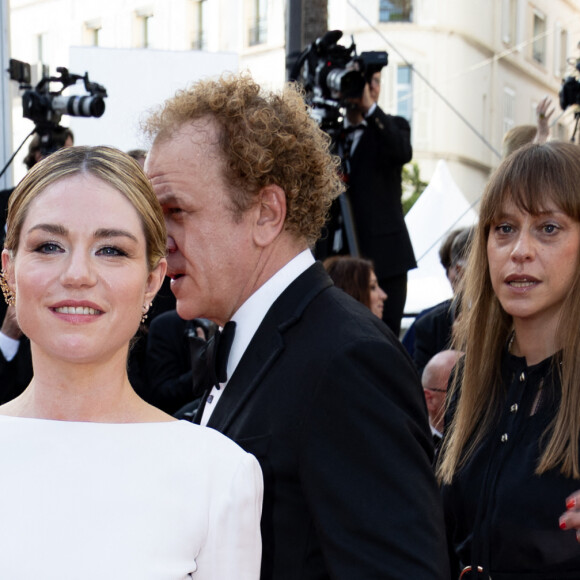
[(510, 464), (95, 482), (357, 277)]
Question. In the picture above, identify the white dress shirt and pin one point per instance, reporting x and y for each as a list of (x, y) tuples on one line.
[(250, 315), (357, 133), (8, 346)]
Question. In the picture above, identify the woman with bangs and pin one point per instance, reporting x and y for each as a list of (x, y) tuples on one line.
[(510, 465)]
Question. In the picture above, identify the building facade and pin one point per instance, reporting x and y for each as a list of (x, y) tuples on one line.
[(465, 71), (461, 71)]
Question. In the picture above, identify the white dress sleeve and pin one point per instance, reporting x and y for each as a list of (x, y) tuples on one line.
[(233, 547)]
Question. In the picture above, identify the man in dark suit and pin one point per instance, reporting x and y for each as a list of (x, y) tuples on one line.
[(319, 389), (376, 154), (15, 357), (172, 343), (434, 330), (435, 378)]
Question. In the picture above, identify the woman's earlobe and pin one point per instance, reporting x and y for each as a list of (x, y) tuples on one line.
[(155, 279)]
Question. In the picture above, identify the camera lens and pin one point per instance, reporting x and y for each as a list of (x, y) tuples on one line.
[(345, 83), (87, 106)]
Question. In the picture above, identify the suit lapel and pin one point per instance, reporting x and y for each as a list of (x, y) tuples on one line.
[(360, 145), (267, 344)]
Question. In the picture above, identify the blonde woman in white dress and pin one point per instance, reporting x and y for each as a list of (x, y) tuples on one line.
[(95, 483)]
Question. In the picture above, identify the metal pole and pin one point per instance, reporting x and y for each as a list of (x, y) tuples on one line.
[(294, 44), (5, 98)]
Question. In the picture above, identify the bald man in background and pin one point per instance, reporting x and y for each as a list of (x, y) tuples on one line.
[(434, 379)]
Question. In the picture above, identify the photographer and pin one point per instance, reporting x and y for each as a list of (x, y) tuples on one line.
[(374, 147)]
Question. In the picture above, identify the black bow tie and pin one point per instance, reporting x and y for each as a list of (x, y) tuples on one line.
[(353, 128), (209, 359)]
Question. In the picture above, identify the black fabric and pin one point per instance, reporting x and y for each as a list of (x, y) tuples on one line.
[(177, 366), (168, 363), (15, 375), (373, 176), (329, 402), (498, 512), (210, 359), (218, 352), (433, 333), (210, 363), (396, 290), (374, 187)]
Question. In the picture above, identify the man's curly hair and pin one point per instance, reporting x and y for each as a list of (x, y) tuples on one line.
[(265, 139)]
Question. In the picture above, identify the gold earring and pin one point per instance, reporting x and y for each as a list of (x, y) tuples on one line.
[(6, 290), (145, 312)]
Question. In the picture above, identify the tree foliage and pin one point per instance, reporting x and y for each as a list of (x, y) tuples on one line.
[(413, 186)]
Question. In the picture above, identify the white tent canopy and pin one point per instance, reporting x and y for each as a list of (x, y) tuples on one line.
[(440, 209)]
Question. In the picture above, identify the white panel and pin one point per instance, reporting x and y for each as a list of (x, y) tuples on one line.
[(136, 80)]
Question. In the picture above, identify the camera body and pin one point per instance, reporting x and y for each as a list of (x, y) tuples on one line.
[(333, 74), (570, 91), (45, 108)]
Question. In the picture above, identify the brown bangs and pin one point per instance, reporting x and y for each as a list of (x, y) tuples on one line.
[(533, 177)]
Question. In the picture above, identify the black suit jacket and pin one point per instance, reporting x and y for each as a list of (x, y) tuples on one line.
[(16, 374), (168, 363), (329, 402), (433, 333), (4, 196), (374, 189)]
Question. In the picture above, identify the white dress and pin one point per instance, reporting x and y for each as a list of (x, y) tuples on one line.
[(137, 501)]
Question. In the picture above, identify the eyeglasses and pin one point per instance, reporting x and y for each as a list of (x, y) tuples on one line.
[(435, 390)]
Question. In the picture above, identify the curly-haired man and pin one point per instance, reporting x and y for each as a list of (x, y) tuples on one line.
[(318, 388)]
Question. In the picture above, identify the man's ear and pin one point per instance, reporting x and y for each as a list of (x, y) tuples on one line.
[(270, 215), (428, 397)]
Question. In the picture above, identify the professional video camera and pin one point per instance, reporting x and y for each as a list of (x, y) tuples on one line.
[(45, 108), (331, 74), (570, 91)]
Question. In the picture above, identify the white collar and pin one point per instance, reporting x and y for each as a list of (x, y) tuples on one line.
[(435, 431), (251, 313), (357, 127)]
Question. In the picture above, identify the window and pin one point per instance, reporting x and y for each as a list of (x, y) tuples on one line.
[(143, 29), (395, 10), (257, 28), (199, 40), (404, 92), (509, 100), (41, 45), (539, 38), (509, 21), (560, 52), (92, 34)]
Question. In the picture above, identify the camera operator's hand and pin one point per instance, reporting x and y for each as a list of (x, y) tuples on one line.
[(367, 100), (10, 326), (544, 111), (357, 109)]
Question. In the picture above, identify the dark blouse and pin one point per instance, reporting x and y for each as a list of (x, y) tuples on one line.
[(497, 511)]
